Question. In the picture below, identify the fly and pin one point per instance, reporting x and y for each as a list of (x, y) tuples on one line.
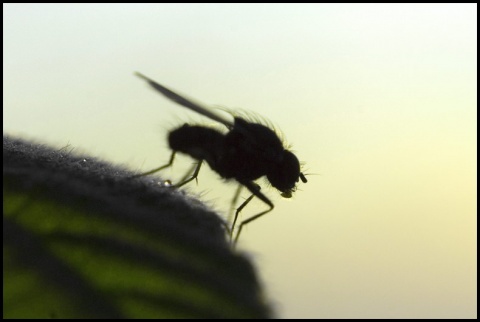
[(245, 153)]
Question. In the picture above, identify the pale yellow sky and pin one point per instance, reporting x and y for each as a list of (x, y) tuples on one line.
[(379, 101)]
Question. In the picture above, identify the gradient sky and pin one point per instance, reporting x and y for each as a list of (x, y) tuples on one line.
[(379, 101)]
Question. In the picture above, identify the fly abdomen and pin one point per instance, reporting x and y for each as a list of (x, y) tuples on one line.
[(199, 142)]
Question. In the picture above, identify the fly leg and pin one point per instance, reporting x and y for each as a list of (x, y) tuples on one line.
[(172, 157), (187, 178), (255, 190), (194, 175), (184, 180), (236, 216), (234, 202)]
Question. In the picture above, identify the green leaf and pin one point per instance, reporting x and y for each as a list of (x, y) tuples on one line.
[(83, 240)]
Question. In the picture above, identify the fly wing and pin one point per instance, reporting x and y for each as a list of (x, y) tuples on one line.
[(185, 102)]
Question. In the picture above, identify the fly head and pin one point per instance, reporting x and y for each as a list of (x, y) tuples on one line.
[(285, 174)]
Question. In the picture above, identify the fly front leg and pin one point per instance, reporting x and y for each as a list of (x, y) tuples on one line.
[(234, 202), (255, 189), (236, 215)]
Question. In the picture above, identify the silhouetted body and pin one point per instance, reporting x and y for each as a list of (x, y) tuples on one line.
[(245, 153)]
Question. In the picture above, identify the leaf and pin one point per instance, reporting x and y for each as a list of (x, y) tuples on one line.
[(83, 240)]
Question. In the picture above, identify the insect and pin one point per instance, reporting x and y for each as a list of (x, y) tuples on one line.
[(245, 153)]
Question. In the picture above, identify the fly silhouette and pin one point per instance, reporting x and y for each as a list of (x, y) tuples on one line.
[(245, 153)]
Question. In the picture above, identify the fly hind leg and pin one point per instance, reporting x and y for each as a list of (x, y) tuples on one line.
[(185, 179), (170, 162)]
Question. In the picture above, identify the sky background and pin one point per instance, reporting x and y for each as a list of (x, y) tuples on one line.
[(379, 101)]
